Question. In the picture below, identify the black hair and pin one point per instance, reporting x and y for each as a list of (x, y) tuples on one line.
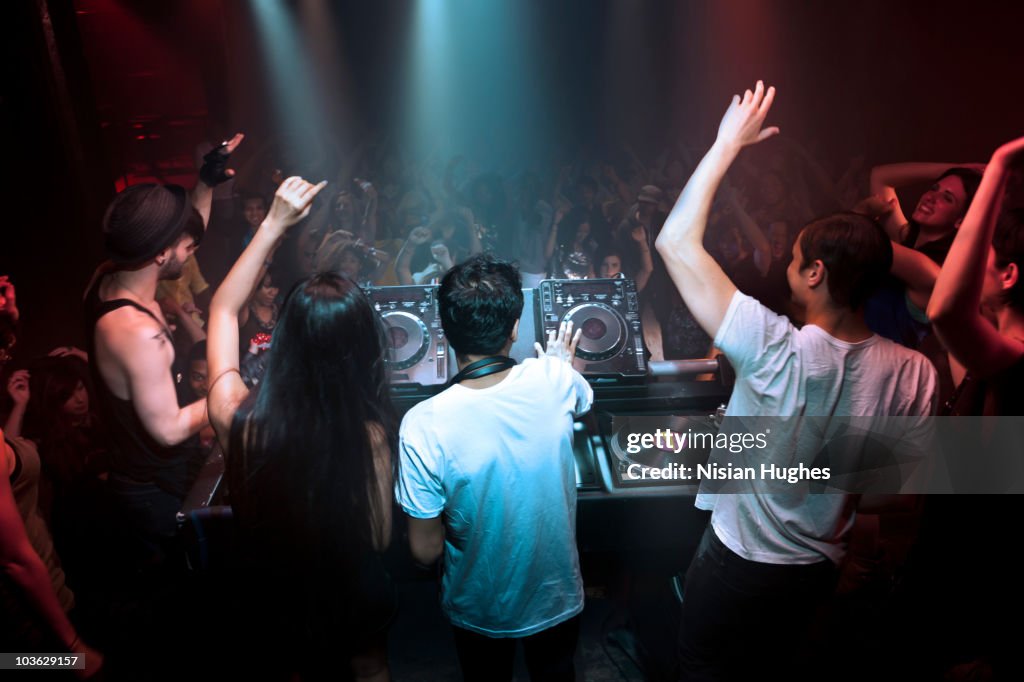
[(301, 468), (969, 178), (855, 251), (570, 226), (334, 246), (587, 182), (62, 448), (458, 245), (1008, 243), (480, 301), (197, 352)]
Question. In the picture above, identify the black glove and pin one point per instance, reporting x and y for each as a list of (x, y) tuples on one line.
[(215, 166)]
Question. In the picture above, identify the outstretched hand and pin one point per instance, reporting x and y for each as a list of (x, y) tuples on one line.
[(561, 346), (18, 387), (876, 206), (292, 202), (741, 125), (214, 170)]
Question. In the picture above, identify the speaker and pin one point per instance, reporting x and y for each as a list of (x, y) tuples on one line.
[(417, 352), (608, 313)]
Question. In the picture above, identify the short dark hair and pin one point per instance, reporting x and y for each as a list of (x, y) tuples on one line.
[(1008, 243), (856, 252), (480, 300)]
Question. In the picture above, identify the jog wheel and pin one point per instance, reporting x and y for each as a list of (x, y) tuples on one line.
[(604, 331), (407, 337)]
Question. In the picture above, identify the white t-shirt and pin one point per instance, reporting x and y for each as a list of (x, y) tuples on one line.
[(788, 372), (497, 462)]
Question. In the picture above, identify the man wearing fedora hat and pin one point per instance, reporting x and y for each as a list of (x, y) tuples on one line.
[(149, 231)]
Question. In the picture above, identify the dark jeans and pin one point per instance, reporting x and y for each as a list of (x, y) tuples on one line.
[(147, 520), (548, 654), (745, 620)]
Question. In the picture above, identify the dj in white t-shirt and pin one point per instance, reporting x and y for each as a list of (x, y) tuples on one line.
[(487, 479)]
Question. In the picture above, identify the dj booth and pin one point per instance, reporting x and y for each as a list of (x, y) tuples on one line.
[(617, 509)]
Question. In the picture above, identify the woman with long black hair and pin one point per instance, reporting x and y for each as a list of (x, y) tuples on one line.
[(309, 460)]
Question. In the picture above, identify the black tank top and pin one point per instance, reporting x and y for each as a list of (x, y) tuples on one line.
[(134, 454), (998, 396)]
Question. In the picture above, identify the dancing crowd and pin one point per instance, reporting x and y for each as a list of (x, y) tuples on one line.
[(233, 316)]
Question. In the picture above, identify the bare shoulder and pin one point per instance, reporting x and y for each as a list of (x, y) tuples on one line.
[(128, 329)]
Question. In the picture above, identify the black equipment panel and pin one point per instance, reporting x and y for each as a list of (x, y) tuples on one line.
[(417, 350), (608, 313)]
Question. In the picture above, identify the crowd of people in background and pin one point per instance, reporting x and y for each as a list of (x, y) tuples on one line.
[(75, 511)]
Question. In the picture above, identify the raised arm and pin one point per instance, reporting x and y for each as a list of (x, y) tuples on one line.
[(701, 282), (552, 242), (887, 178), (917, 271), (643, 275), (291, 204), (953, 309), (18, 389), (403, 263), (213, 172), (369, 220)]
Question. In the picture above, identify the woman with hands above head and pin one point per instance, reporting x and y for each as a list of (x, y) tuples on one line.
[(977, 312), (309, 460), (920, 243), (981, 274)]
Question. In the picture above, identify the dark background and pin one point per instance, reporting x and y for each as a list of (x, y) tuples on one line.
[(97, 93)]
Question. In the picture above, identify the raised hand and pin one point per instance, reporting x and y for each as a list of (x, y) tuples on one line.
[(17, 387), (420, 235), (562, 345), (441, 256), (65, 351), (215, 169), (876, 206), (741, 125), (292, 202), (639, 234), (368, 189)]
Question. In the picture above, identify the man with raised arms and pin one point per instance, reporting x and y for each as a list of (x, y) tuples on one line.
[(767, 559), (149, 232)]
